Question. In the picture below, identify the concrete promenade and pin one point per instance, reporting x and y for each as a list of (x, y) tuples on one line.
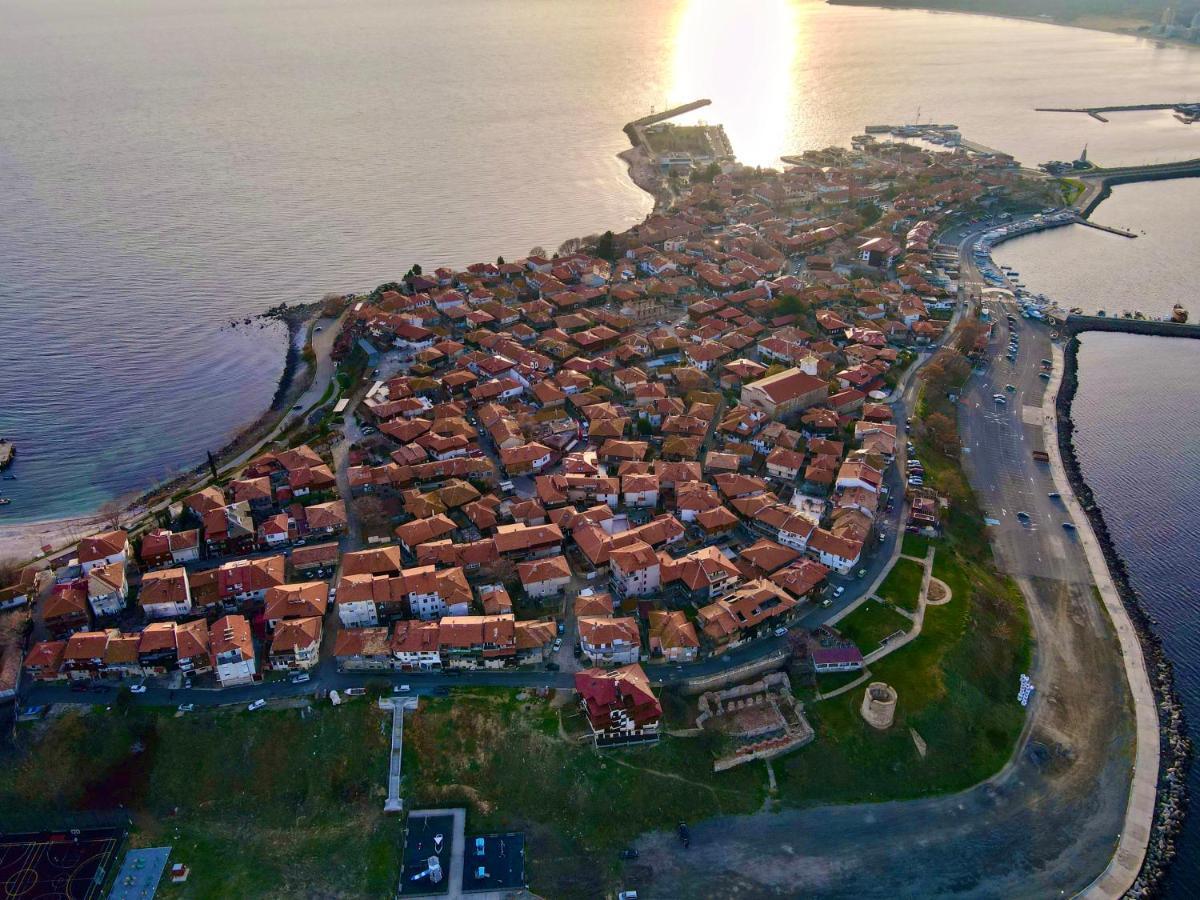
[(1126, 862)]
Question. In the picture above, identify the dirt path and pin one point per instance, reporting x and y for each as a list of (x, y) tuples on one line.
[(707, 787)]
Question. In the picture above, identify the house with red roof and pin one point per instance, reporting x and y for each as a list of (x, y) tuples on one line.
[(619, 705)]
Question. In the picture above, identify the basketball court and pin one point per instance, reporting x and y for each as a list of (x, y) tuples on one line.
[(57, 864)]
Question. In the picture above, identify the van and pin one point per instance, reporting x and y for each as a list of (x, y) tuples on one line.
[(354, 692), (300, 678)]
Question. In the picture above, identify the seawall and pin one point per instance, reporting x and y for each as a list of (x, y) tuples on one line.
[(1131, 177), (1174, 745), (1077, 324)]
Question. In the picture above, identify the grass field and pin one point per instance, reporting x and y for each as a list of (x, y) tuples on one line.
[(902, 586), (255, 803), (504, 759), (871, 623), (915, 545)]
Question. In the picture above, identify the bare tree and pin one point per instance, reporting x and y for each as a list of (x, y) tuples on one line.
[(110, 514), (370, 512), (10, 572)]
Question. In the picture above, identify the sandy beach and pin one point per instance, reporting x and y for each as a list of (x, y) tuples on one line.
[(25, 540)]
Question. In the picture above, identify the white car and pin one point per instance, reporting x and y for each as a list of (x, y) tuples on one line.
[(257, 704), (780, 632), (838, 591), (138, 689), (401, 689), (186, 707)]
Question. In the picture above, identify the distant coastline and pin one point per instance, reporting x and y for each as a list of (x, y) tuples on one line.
[(1126, 27)]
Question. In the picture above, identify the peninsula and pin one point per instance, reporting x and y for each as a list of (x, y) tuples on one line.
[(605, 554)]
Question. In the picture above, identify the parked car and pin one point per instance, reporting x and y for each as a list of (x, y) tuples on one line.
[(628, 853), (401, 688), (1022, 515), (781, 632), (354, 692), (1070, 526), (186, 707), (552, 666), (137, 689), (257, 704), (557, 644), (838, 591), (300, 678), (1054, 495)]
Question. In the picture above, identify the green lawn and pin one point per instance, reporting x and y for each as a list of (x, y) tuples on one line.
[(902, 586), (915, 545), (506, 762), (871, 623), (831, 681), (255, 803)]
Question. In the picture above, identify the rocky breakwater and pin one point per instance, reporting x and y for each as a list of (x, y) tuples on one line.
[(1175, 747)]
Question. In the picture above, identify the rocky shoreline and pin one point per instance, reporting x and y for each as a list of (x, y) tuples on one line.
[(1175, 755)]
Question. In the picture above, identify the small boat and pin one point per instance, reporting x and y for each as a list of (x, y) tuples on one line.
[(4, 501), (7, 477)]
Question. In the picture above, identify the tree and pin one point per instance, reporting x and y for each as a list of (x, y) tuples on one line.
[(571, 246), (10, 572), (371, 514), (384, 288), (707, 174), (499, 260), (606, 246), (539, 251), (790, 305), (941, 431), (110, 513)]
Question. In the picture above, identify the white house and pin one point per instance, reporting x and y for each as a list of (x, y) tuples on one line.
[(233, 650), (606, 640), (104, 549), (107, 588), (544, 577), (640, 491), (835, 552), (166, 594), (634, 570)]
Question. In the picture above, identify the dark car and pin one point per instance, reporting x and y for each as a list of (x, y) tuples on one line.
[(551, 667), (629, 853)]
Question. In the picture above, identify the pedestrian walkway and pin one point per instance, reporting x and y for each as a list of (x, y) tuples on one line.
[(394, 804), (918, 617)]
